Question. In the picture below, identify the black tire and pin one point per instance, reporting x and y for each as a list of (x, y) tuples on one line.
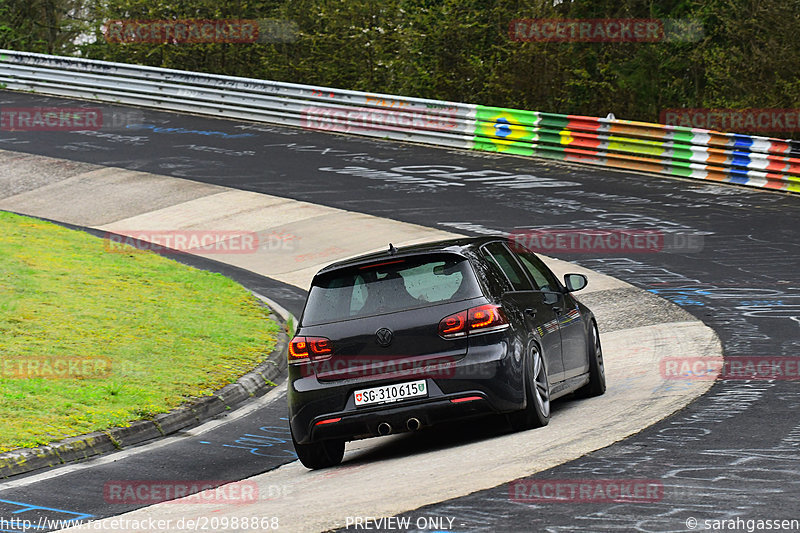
[(536, 413), (322, 454), (597, 371)]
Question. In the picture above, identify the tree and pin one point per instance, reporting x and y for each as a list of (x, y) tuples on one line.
[(48, 26)]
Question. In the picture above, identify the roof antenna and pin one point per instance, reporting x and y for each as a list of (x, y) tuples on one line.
[(392, 249)]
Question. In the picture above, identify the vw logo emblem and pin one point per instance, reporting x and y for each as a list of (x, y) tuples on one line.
[(383, 336)]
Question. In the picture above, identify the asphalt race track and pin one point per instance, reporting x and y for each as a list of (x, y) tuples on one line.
[(731, 454)]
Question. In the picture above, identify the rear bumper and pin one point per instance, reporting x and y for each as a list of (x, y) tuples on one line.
[(490, 371), (364, 424)]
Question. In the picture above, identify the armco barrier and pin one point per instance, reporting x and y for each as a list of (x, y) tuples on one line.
[(673, 150)]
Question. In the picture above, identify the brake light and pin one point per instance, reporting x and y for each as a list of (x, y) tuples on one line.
[(382, 264), (481, 319), (303, 349)]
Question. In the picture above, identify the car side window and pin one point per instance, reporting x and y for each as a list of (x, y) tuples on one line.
[(541, 275), (492, 277), (504, 259)]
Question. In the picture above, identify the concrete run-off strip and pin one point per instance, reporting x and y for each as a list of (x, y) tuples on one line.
[(638, 331)]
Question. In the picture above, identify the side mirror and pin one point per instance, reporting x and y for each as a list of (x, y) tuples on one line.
[(575, 282)]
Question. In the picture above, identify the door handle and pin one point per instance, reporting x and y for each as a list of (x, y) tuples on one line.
[(558, 310), (531, 312)]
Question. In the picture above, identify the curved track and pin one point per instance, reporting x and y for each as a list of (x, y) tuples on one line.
[(732, 453), (638, 330)]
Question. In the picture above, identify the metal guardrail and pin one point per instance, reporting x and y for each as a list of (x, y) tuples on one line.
[(673, 150)]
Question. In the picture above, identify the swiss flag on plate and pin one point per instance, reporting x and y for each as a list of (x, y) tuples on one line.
[(358, 397)]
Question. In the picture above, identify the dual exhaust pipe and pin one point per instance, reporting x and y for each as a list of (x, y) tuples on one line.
[(412, 424)]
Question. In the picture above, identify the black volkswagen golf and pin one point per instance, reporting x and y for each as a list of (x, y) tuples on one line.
[(403, 339)]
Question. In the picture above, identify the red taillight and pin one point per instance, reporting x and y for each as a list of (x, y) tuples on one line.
[(486, 317), (298, 349), (301, 349), (481, 319), (454, 325), (319, 347)]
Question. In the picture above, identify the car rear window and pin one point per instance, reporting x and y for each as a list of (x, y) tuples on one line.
[(389, 285)]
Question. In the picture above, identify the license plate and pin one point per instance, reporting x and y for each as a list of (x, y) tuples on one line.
[(391, 393)]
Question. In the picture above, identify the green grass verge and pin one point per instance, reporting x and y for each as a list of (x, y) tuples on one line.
[(163, 332)]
